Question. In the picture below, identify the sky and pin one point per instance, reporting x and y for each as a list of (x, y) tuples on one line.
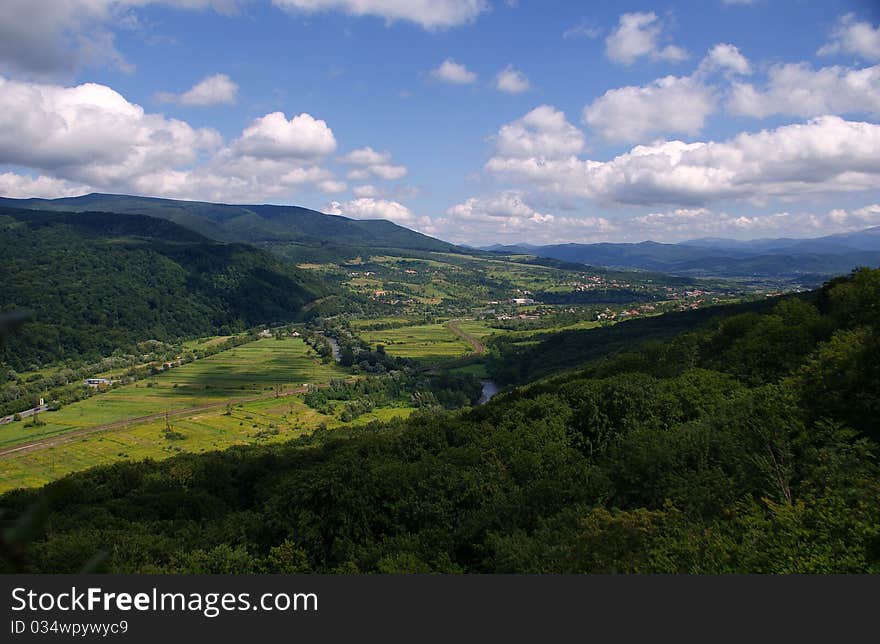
[(475, 121)]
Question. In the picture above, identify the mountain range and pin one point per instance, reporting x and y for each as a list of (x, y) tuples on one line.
[(301, 234), (784, 257)]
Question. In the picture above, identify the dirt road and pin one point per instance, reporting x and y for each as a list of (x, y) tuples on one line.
[(478, 347)]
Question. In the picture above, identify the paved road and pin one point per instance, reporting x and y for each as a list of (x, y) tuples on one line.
[(24, 414)]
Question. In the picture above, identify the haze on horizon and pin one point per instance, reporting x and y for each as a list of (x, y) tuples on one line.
[(473, 121)]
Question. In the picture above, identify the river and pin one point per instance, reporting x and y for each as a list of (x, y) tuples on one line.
[(334, 347), (489, 390)]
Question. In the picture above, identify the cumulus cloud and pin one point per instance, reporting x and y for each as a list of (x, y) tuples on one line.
[(850, 36), (826, 154), (542, 133), (18, 186), (452, 72), (42, 38), (89, 137), (91, 134), (687, 223), (726, 57), (273, 136), (511, 81), (668, 105), (372, 208), (506, 209), (857, 218), (370, 163), (430, 14), (637, 35), (797, 89), (508, 216), (212, 90)]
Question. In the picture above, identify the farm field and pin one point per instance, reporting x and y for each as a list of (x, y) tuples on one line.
[(425, 342), (477, 328), (265, 421), (245, 371)]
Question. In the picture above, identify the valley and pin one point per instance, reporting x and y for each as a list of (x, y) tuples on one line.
[(200, 351)]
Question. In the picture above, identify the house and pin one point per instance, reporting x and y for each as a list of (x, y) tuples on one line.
[(99, 382)]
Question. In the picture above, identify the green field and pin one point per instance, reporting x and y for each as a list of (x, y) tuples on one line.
[(249, 371), (270, 420), (477, 328), (243, 372), (425, 342)]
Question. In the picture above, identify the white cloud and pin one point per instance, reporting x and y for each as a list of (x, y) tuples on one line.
[(852, 37), (430, 14), (636, 36), (511, 81), (688, 223), (369, 163), (273, 136), (42, 38), (668, 105), (366, 156), (743, 2), (452, 72), (19, 186), (826, 154), (372, 208), (506, 209), (584, 29), (509, 217), (726, 57), (856, 219), (212, 90), (365, 190), (797, 89), (544, 132), (332, 186), (90, 136)]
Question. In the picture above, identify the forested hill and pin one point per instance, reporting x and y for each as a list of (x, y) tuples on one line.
[(249, 223), (749, 445), (96, 282)]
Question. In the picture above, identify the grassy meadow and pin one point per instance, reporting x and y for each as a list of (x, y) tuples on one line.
[(263, 421), (243, 372)]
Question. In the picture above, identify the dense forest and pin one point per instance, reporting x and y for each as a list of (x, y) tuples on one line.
[(94, 283), (746, 443)]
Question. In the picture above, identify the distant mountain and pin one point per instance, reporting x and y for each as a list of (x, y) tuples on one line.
[(770, 258), (95, 282), (254, 224), (863, 240)]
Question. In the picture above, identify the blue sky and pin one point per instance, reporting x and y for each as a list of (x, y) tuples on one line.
[(476, 121)]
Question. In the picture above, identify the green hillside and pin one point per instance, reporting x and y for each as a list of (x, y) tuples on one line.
[(252, 224), (97, 282)]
